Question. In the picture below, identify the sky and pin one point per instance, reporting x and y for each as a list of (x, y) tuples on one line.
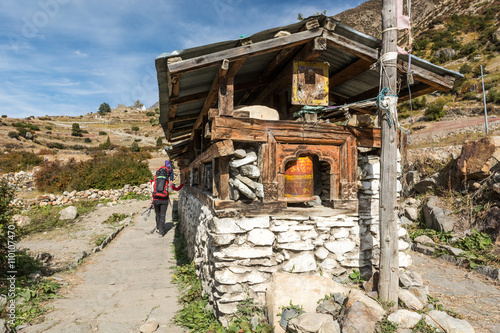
[(66, 57)]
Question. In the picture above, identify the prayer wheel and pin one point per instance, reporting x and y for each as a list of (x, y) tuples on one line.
[(299, 182)]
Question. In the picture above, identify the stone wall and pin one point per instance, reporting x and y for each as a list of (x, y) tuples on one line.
[(236, 257)]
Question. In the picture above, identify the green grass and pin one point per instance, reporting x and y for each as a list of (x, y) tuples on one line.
[(115, 218)]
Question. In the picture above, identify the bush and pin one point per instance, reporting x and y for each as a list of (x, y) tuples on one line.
[(87, 140), (14, 135), (154, 121), (48, 128), (135, 128), (435, 111), (75, 130), (4, 116), (102, 172), (134, 147), (493, 96), (102, 133), (19, 160), (45, 151), (150, 114), (159, 142), (55, 145), (465, 69), (470, 96), (103, 108), (106, 145), (85, 132), (21, 124)]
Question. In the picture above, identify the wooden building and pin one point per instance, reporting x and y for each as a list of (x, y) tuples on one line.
[(317, 62)]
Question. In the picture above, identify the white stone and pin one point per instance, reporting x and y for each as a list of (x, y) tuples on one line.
[(250, 171), (261, 237), (312, 322), (322, 222), (403, 245), (249, 158), (225, 276), (227, 308), (245, 190), (249, 223), (328, 264), (301, 227), (297, 246), (288, 236), (261, 111), (321, 253), (240, 153), (149, 326), (340, 233), (402, 232), (225, 226), (244, 252), (301, 263), (69, 213), (404, 260), (450, 324), (310, 234), (409, 300), (340, 247), (239, 269), (405, 318), (222, 239), (256, 277)]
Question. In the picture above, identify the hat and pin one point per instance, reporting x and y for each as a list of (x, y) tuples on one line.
[(168, 164)]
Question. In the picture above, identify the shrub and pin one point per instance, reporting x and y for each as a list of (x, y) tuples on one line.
[(150, 114), (104, 107), (19, 160), (85, 132), (435, 111), (14, 135), (102, 172), (135, 128), (106, 145), (55, 145), (87, 140), (465, 69), (48, 128), (4, 116), (159, 142), (102, 133), (76, 130), (470, 96), (134, 147), (493, 96), (21, 124), (45, 151), (154, 121)]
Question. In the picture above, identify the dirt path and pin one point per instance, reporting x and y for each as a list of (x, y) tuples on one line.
[(467, 293), (119, 288)]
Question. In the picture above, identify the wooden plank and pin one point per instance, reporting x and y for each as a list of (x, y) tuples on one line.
[(254, 49), (183, 118), (311, 52), (215, 178), (416, 90), (353, 70), (176, 83), (249, 208), (350, 46), (224, 177), (216, 150), (212, 93), (366, 137), (440, 82)]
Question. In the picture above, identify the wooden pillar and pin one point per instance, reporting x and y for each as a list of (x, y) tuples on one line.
[(389, 260), (226, 96), (224, 177)]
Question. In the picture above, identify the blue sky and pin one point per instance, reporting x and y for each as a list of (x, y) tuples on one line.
[(66, 57)]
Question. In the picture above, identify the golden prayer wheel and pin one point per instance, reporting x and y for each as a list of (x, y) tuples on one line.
[(299, 180)]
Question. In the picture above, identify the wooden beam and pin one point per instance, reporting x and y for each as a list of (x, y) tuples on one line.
[(212, 94), (440, 82), (254, 49), (180, 138), (183, 118), (350, 46), (216, 150), (353, 70), (310, 52), (416, 90), (226, 88), (271, 71), (224, 177)]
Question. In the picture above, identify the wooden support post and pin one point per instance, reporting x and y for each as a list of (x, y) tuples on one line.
[(389, 256), (224, 177)]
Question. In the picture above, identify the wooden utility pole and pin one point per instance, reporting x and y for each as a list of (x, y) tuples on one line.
[(389, 260)]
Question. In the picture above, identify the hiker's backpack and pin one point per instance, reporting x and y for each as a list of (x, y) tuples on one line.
[(160, 188)]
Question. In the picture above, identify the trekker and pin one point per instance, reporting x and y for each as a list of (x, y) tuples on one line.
[(160, 197)]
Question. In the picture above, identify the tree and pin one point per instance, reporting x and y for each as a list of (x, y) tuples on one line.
[(134, 147), (135, 128), (103, 108), (76, 130), (138, 104)]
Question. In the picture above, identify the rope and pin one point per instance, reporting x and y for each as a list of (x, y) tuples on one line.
[(384, 100)]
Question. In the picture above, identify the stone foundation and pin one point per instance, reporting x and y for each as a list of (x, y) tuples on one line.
[(236, 257)]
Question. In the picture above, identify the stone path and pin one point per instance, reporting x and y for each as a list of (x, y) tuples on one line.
[(118, 289), (467, 293)]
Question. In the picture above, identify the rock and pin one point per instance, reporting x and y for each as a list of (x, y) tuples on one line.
[(424, 240), (21, 220), (438, 218), (446, 53), (260, 111), (496, 36), (360, 317), (478, 158), (234, 194), (249, 158), (3, 326), (406, 221), (330, 307), (254, 186), (405, 318), (309, 322), (412, 177), (425, 185), (261, 237), (305, 290), (225, 226), (321, 253), (149, 326), (491, 225), (69, 213), (420, 292), (340, 247), (409, 300), (250, 171), (449, 323), (316, 202), (330, 327), (240, 153), (245, 190), (301, 263), (409, 279), (411, 213)]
